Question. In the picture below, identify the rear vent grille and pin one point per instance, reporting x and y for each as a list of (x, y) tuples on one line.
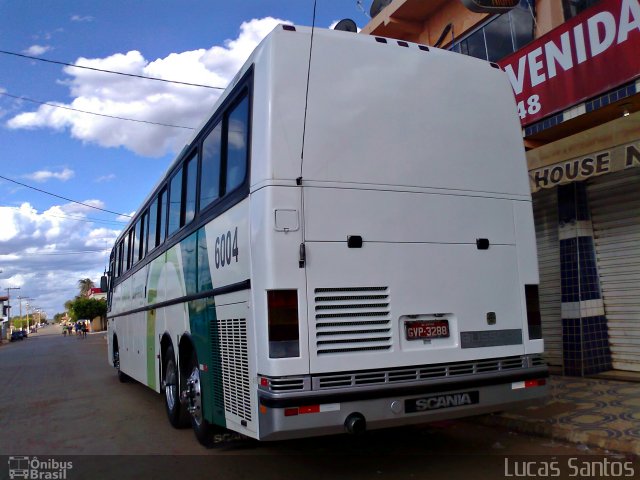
[(413, 374), (352, 319), (375, 377), (235, 367), (537, 361), (286, 384)]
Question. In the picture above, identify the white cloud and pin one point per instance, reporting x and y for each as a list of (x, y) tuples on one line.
[(105, 178), (37, 50), (82, 18), (45, 253), (146, 99), (44, 175)]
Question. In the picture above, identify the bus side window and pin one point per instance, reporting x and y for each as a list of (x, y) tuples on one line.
[(119, 260), (237, 145), (142, 235), (135, 242), (190, 185), (152, 236), (125, 253), (210, 175), (162, 216), (175, 197), (132, 242)]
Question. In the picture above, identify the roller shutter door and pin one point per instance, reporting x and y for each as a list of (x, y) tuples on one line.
[(615, 208), (545, 212)]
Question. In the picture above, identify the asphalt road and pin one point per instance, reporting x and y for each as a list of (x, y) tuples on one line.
[(60, 400)]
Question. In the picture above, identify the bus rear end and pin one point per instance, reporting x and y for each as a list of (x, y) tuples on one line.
[(417, 247)]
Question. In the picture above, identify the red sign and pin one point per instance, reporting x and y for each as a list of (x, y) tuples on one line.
[(593, 52)]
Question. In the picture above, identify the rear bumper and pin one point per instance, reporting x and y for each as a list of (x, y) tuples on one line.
[(325, 413)]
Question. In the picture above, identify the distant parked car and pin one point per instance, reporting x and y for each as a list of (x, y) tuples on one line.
[(17, 335)]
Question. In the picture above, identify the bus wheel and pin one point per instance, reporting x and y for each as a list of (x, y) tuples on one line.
[(193, 400), (178, 415), (123, 377)]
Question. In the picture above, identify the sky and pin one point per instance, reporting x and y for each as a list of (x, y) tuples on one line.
[(108, 165)]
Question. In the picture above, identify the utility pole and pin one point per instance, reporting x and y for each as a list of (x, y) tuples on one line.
[(27, 299), (8, 289), (27, 305)]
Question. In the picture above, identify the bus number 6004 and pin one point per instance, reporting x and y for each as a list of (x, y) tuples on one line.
[(226, 248)]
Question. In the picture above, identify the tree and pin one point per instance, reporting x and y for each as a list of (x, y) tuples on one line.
[(85, 285), (89, 308), (68, 306)]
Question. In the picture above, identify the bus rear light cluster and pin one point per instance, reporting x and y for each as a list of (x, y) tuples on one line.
[(293, 411), (284, 337), (539, 382), (327, 407)]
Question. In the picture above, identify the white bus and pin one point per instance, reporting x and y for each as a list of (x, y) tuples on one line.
[(346, 244)]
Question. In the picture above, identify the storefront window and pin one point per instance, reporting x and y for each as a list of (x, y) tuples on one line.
[(501, 35), (574, 7), (499, 39), (474, 45)]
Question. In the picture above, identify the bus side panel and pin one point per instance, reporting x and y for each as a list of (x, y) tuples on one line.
[(203, 325), (275, 247), (527, 265), (219, 257), (236, 344)]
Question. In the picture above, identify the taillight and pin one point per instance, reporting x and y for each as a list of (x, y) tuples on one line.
[(540, 382), (284, 337), (534, 321)]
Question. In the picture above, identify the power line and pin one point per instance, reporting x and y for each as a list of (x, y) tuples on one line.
[(109, 71), (111, 223), (26, 99), (63, 198)]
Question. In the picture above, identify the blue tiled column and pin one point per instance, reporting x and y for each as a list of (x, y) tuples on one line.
[(585, 337)]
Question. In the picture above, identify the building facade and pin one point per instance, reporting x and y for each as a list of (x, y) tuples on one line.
[(4, 318), (97, 324), (574, 66)]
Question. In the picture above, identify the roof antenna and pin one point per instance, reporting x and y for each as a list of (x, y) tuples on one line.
[(302, 252), (306, 97), (361, 8)]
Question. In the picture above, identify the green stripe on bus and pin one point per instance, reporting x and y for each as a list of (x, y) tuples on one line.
[(203, 325)]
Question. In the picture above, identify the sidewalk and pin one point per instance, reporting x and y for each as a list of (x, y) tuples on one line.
[(594, 412)]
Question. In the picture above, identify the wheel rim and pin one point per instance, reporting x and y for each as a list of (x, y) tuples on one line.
[(170, 387), (194, 395), (116, 360)]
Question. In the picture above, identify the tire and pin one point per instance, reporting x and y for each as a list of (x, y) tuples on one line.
[(176, 412), (123, 377), (203, 430)]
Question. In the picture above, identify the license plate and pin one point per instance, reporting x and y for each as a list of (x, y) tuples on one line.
[(437, 402), (426, 329)]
